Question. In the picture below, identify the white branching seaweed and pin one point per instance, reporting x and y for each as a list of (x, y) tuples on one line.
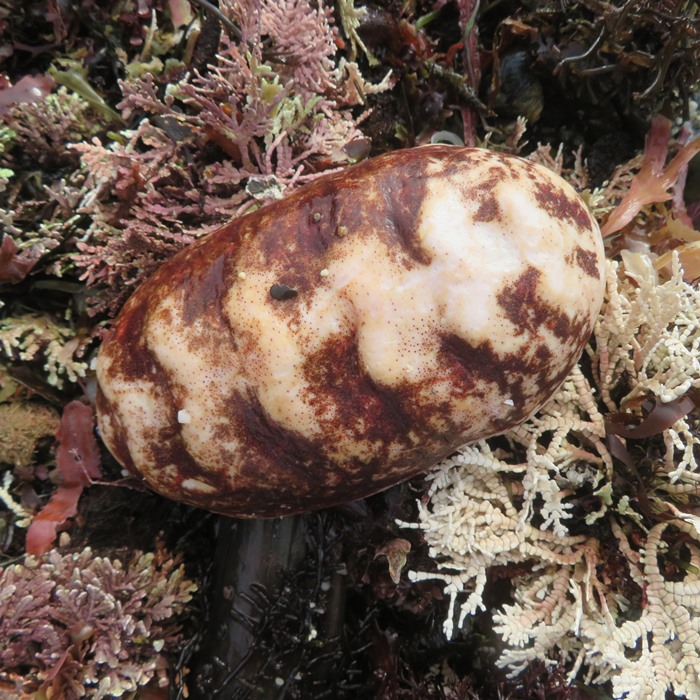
[(625, 610), (54, 345)]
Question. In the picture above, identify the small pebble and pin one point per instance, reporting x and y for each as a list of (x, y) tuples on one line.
[(282, 292)]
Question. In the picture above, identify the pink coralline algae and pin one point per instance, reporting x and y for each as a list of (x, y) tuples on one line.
[(79, 625)]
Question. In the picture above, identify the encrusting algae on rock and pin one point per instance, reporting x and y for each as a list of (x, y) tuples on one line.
[(331, 344)]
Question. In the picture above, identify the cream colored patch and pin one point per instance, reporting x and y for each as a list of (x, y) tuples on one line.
[(275, 350), (400, 313), (197, 485), (476, 261), (201, 382), (139, 410)]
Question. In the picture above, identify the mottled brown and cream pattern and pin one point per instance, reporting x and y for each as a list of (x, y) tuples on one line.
[(351, 335)]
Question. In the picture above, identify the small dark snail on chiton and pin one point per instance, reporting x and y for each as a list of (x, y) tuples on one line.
[(350, 336)]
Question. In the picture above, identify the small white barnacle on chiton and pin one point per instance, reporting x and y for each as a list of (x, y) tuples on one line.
[(277, 366)]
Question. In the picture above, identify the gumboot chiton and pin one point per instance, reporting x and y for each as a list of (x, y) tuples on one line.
[(348, 337)]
